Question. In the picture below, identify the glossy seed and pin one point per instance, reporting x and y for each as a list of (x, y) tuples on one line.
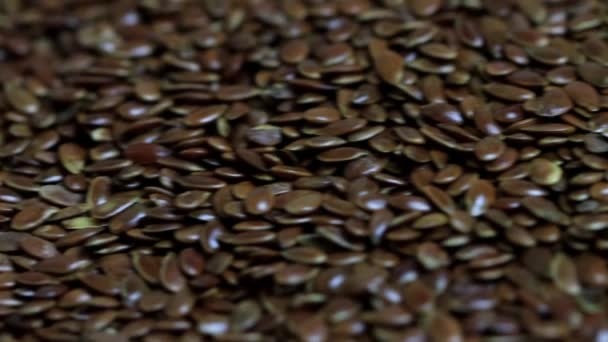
[(145, 153), (480, 196), (489, 148), (259, 201), (72, 157), (545, 172), (304, 202), (508, 92)]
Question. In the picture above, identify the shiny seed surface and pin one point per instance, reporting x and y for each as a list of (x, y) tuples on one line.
[(304, 170)]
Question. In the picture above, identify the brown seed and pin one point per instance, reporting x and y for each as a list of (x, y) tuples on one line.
[(305, 255), (438, 50), (341, 154), (592, 270), (439, 198), (547, 55), (480, 196), (425, 7), (442, 112), (259, 201), (204, 115), (294, 274), (265, 135), (594, 74), (444, 328), (147, 89), (61, 264), (303, 170), (170, 274), (431, 220), (432, 256), (303, 202), (595, 143), (72, 157), (508, 92), (583, 95), (545, 172), (388, 64), (58, 195), (599, 191), (144, 153), (553, 102), (115, 205), (295, 51), (32, 216), (191, 262), (563, 273), (322, 115), (38, 247), (489, 148), (20, 98), (545, 209)]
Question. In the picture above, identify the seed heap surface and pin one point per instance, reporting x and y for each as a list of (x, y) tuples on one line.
[(304, 170)]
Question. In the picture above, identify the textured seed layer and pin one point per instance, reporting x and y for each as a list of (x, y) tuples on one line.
[(304, 170)]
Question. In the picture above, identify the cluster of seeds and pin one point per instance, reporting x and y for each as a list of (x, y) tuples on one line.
[(304, 170)]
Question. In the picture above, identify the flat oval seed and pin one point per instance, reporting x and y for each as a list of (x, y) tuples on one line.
[(259, 201), (545, 209), (20, 98), (438, 50), (425, 8), (145, 153), (341, 154), (480, 196), (388, 64), (205, 115), (563, 273), (57, 194), (583, 95), (594, 74), (38, 247), (545, 172), (295, 51), (508, 92), (147, 89), (73, 157), (442, 112), (489, 148), (305, 255), (32, 216), (553, 102), (171, 276), (322, 115), (304, 202)]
